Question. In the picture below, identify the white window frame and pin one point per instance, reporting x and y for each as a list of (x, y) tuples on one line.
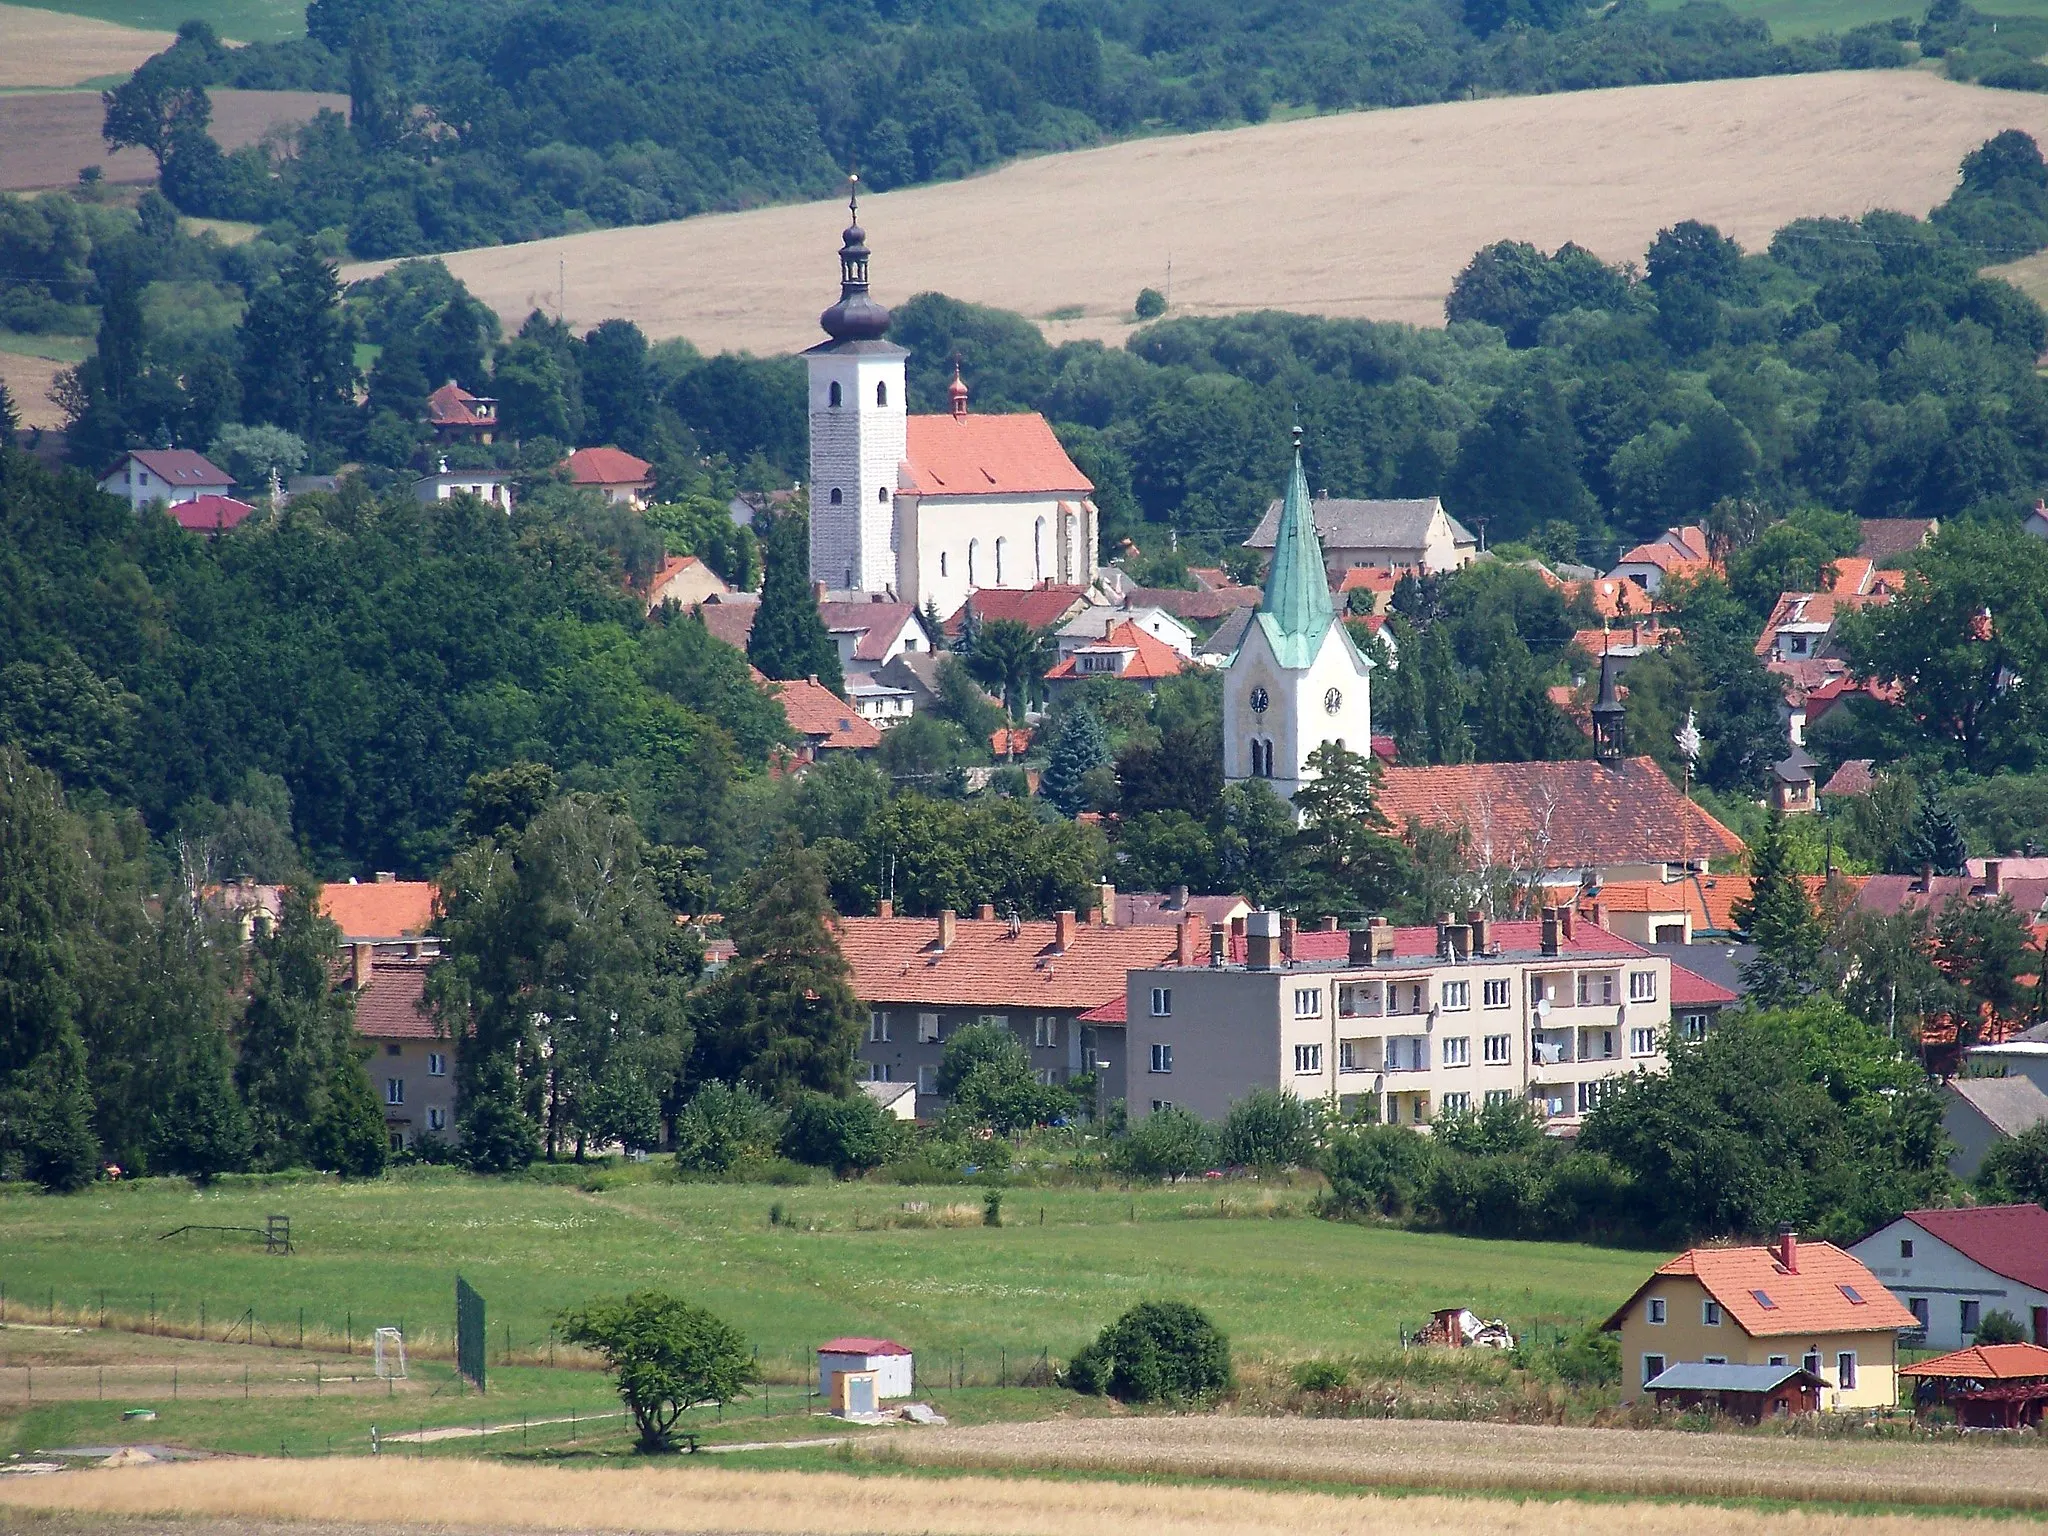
[(1161, 1104), (1692, 1027), (1308, 1002), (1845, 1370), (394, 1091), (1498, 1050), (1457, 1051), (1457, 1103), (1045, 1032), (1497, 992), (1046, 1076), (1499, 1096), (1162, 1002), (437, 1064), (1642, 986), (1457, 996), (1592, 982), (878, 1026), (1654, 1311), (1642, 1040), (928, 1029), (1308, 1060), (1162, 1058), (1350, 1058)]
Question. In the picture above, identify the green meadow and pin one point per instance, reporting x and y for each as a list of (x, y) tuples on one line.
[(246, 21)]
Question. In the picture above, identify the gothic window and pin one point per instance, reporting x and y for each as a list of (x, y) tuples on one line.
[(834, 498), (999, 560), (1038, 550), (882, 494), (973, 548), (882, 393), (833, 398), (1262, 758)]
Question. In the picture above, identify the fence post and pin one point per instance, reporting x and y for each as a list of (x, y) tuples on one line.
[(302, 1327)]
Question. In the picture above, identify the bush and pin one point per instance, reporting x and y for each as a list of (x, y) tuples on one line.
[(667, 1355), (1268, 1129), (1159, 1351), (1151, 304), (1589, 1358), (1999, 1328), (2016, 1169), (1166, 1144), (1374, 1170), (1321, 1375), (846, 1135), (723, 1126)]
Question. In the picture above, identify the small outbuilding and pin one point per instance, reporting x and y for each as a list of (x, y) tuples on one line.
[(1989, 1386), (885, 1362), (1750, 1393)]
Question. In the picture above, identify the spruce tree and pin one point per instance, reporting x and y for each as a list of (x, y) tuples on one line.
[(59, 1149), (298, 1034), (1780, 921), (788, 639), (1080, 748), (1936, 842)]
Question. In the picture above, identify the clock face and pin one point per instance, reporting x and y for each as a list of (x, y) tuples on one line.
[(1333, 701), (1259, 701)]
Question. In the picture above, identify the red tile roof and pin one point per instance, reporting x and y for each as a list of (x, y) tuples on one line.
[(815, 711), (1010, 741), (897, 960), (1689, 989), (861, 1347), (1368, 578), (210, 513), (1710, 899), (1039, 607), (392, 1006), (2008, 1240), (1985, 1362), (1010, 455), (1675, 551), (1889, 894), (607, 466), (877, 624), (1812, 1301), (1853, 778), (1886, 538), (1637, 635), (390, 909), (1612, 597), (1587, 812), (453, 406), (1153, 659), (181, 467), (1115, 1011)]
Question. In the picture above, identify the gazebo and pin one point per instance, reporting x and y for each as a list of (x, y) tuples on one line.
[(1990, 1386)]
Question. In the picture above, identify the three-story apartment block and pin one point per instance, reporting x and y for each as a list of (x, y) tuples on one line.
[(1403, 1025)]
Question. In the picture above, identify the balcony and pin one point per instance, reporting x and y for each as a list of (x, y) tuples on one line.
[(1552, 1047), (1407, 1053)]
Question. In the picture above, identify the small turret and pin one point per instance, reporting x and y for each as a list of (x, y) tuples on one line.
[(1610, 720), (856, 317)]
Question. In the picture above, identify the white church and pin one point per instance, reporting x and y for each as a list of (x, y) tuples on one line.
[(929, 508)]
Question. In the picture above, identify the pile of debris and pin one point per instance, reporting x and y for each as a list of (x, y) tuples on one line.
[(1461, 1328)]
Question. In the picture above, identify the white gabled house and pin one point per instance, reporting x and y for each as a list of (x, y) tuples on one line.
[(1953, 1267)]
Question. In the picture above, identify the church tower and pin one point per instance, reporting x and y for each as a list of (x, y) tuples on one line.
[(1297, 680), (858, 431)]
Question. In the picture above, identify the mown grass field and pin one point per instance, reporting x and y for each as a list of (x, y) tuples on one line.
[(244, 21), (847, 1258)]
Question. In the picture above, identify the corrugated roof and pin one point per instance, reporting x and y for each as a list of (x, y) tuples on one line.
[(1009, 455), (2008, 1240), (897, 960), (1700, 1376), (389, 909), (1812, 1301)]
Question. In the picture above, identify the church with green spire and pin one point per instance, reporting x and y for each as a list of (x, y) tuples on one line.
[(1297, 680)]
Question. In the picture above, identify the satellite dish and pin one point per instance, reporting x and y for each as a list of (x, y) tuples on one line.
[(1542, 1007)]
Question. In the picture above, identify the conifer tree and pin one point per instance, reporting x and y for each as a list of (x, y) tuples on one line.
[(788, 639), (1081, 748), (1780, 921), (1936, 842)]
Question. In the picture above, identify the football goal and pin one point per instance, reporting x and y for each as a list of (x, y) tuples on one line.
[(390, 1348)]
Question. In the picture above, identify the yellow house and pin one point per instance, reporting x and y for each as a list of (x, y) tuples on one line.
[(1788, 1303)]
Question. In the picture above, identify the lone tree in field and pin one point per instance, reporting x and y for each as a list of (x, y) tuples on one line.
[(668, 1357), (1159, 1351)]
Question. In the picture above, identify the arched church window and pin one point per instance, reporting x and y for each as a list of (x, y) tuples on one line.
[(835, 497), (1038, 550), (882, 393), (999, 560), (973, 548), (834, 396), (942, 562), (882, 494)]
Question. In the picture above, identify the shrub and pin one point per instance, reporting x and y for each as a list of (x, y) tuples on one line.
[(1269, 1129), (667, 1355), (1321, 1375), (1999, 1328), (1166, 1144), (846, 1135), (1151, 304), (1374, 1170), (1159, 1351), (1589, 1358), (723, 1126)]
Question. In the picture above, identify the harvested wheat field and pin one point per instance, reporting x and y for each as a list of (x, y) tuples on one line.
[(47, 137), (28, 381), (49, 48), (393, 1494), (1416, 1453), (1365, 213)]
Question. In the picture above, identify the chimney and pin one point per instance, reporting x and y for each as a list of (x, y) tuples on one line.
[(363, 960), (817, 596), (1262, 941), (1994, 877), (1788, 1248), (1551, 935), (986, 912), (1108, 899), (1459, 938), (1219, 944), (1180, 898), (1477, 920), (1288, 928), (1927, 878), (1382, 941), (1599, 914), (945, 930), (1329, 925), (885, 908), (1237, 926), (387, 877), (1564, 921), (1361, 946), (1063, 927)]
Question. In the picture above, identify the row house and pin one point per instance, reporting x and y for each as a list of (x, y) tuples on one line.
[(1401, 1025)]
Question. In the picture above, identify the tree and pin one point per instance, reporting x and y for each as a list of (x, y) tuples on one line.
[(146, 111), (1779, 919), (297, 359), (962, 701), (376, 113), (723, 1126), (788, 639), (1080, 748), (1169, 1143), (986, 1073), (2000, 1328), (1159, 1351), (1344, 861), (1269, 1130), (1008, 657), (1935, 843), (1980, 949), (618, 394), (2016, 1169), (1374, 1170), (668, 1356), (847, 1135), (250, 454)]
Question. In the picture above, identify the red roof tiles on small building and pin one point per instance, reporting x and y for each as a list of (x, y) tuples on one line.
[(828, 721), (1854, 777), (210, 514), (1886, 538), (1005, 455), (1036, 608), (2008, 1240), (453, 406), (1689, 989), (1985, 1362), (898, 960), (877, 624), (1150, 659), (730, 619), (607, 466)]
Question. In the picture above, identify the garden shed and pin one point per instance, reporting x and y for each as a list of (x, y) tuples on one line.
[(1746, 1392), (889, 1362)]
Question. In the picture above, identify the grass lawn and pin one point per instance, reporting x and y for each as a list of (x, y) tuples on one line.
[(59, 349), (972, 1300), (246, 21), (1803, 18)]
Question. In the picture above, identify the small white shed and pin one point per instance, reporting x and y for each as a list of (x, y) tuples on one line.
[(889, 1361)]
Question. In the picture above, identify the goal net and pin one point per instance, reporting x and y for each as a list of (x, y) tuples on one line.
[(390, 1347)]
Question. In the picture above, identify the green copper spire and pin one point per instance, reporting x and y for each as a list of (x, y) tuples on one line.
[(1297, 604)]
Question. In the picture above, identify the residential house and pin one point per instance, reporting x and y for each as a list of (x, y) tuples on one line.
[(386, 911), (685, 581), (1695, 908), (1886, 539), (1627, 642), (1416, 534), (1792, 783), (870, 630), (1954, 1266), (1673, 553), (882, 705), (1888, 894), (168, 475), (1802, 624), (2023, 1053), (826, 722), (411, 1065), (1126, 653), (491, 485), (1980, 1112), (1134, 909), (1856, 776), (457, 416), (210, 514), (1401, 1025), (618, 476), (1696, 1001), (1377, 582), (730, 616), (923, 978), (1092, 625), (916, 673), (896, 1100), (1612, 598), (1193, 608), (1809, 1303), (1009, 742), (1041, 608)]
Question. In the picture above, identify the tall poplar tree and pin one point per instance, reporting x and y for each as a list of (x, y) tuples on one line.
[(788, 639), (1780, 921)]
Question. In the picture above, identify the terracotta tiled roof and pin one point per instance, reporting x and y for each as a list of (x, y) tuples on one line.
[(181, 467), (1134, 908), (1985, 1362), (877, 624), (1711, 899), (1689, 989), (1115, 1011), (392, 1006), (861, 1347), (1811, 1301), (607, 466), (1886, 538), (2008, 1240), (1213, 578), (1612, 597), (897, 960), (1152, 659), (815, 711), (210, 513), (730, 619), (1588, 812), (1368, 578), (1036, 608), (1632, 638), (1888, 894), (1853, 778), (1009, 455), (453, 406), (1674, 551), (390, 909), (1010, 740)]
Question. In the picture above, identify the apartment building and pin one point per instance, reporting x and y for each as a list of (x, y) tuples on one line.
[(1401, 1024)]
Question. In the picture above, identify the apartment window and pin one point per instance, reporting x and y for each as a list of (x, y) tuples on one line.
[(1497, 993), (1973, 1313), (927, 1029), (1162, 1002), (1497, 1050), (1046, 1077), (394, 1049), (394, 1090), (928, 1079), (1159, 1104), (1692, 1028), (1656, 1311), (1457, 1103), (1308, 1060), (1000, 1020), (1162, 1058), (1642, 1042), (1350, 1058), (1499, 1096), (437, 1119), (1642, 986), (878, 1029), (437, 1064), (1653, 1367), (1458, 1051), (1811, 1361), (1308, 1002), (1045, 1032), (1457, 996), (1845, 1370), (1710, 1313), (878, 1072), (1590, 1095), (1905, 1247), (1595, 987)]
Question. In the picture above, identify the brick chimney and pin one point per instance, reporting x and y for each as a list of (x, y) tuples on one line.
[(1476, 920), (1552, 934), (1288, 928), (1219, 944), (362, 961), (1788, 1248), (945, 930), (1994, 877), (387, 877), (986, 912), (1063, 930), (1564, 921), (1262, 941), (885, 908), (1361, 946), (1329, 925), (1108, 899), (817, 596)]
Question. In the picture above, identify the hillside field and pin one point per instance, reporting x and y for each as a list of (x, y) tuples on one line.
[(867, 1258), (241, 21), (44, 48), (1362, 214)]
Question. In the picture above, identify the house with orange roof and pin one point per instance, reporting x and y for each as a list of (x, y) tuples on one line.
[(615, 474), (457, 416), (411, 1064), (826, 722), (1637, 637), (1699, 907), (1611, 597), (1987, 1386), (685, 581), (1786, 1303), (1127, 654), (923, 978), (1673, 553), (384, 911)]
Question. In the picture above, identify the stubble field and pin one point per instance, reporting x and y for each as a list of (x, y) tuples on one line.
[(1361, 214), (48, 48)]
